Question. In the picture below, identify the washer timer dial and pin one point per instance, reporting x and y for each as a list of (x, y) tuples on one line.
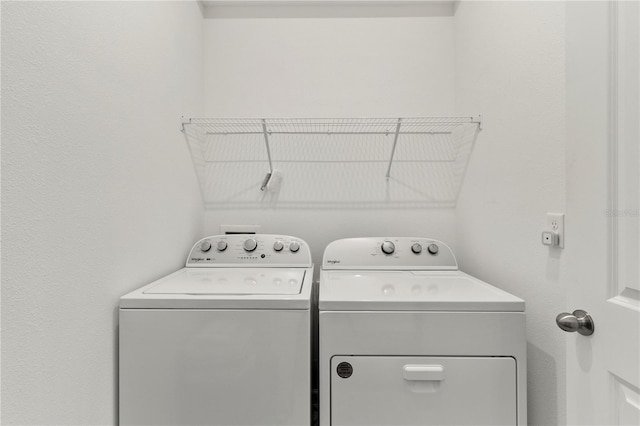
[(388, 247), (250, 244)]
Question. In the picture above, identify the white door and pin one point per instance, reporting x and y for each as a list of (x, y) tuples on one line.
[(603, 188)]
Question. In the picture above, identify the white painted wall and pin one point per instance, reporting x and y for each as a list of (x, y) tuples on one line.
[(98, 191), (305, 66), (329, 67), (510, 66)]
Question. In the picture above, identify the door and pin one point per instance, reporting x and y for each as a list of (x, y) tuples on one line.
[(603, 187)]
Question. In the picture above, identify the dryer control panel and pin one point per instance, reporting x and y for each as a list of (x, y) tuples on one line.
[(249, 250), (389, 253)]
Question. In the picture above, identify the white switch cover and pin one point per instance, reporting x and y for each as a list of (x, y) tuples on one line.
[(555, 223)]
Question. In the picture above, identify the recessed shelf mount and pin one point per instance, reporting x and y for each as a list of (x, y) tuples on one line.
[(220, 142)]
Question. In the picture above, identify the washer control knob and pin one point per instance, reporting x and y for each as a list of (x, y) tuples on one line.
[(294, 246), (278, 246), (222, 245), (433, 248), (250, 244), (416, 248), (205, 246), (388, 247)]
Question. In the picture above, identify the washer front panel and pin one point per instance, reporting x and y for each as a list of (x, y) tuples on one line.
[(214, 367)]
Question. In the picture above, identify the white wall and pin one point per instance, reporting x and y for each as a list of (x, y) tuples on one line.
[(510, 66), (98, 191), (331, 67)]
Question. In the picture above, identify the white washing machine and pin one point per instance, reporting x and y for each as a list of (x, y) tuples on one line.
[(223, 341), (408, 339)]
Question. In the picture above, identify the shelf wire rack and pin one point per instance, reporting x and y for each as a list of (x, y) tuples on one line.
[(334, 133), (362, 126)]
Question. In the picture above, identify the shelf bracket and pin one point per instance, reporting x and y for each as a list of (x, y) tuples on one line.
[(265, 182), (183, 123), (393, 150), (477, 119)]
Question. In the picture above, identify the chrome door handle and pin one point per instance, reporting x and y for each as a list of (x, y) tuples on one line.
[(579, 321)]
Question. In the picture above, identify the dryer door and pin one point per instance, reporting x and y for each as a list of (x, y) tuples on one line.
[(397, 390)]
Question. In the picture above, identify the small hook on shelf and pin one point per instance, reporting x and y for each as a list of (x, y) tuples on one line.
[(265, 182)]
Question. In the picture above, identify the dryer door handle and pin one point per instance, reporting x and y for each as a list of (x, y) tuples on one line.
[(423, 372)]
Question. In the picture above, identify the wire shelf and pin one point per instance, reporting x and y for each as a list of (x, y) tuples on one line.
[(231, 156), (346, 126)]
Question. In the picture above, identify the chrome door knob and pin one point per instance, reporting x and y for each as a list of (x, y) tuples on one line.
[(579, 321)]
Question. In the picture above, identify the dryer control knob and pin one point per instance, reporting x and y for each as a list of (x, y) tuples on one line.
[(388, 247), (416, 248), (221, 246), (278, 246), (250, 244), (205, 246), (433, 248), (294, 246)]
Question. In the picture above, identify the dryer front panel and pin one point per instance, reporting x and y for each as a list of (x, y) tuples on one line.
[(409, 390)]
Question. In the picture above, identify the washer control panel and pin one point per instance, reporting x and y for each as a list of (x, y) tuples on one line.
[(248, 250), (398, 253)]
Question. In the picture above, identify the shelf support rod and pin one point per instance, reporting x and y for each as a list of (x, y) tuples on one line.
[(393, 150), (267, 178)]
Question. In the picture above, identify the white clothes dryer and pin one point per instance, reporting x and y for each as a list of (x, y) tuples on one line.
[(405, 338), (224, 341)]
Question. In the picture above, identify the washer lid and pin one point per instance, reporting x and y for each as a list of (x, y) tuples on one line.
[(411, 291), (226, 288), (224, 281)]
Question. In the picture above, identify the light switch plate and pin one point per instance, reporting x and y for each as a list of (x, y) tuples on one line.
[(555, 223)]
